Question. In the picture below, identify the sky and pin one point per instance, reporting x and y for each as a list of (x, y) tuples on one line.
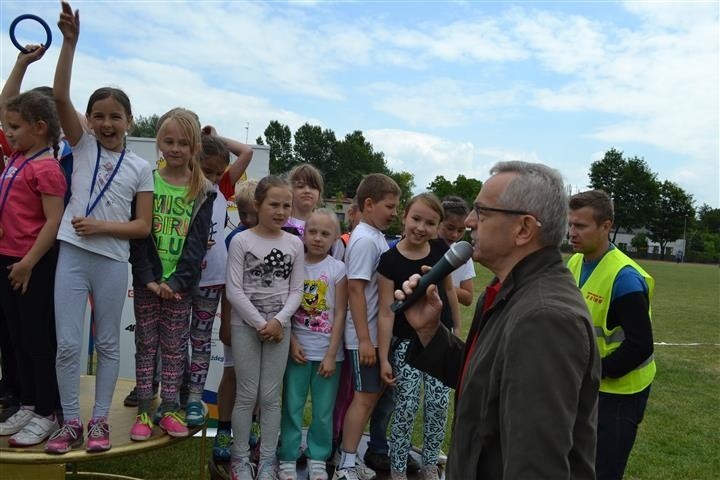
[(442, 88)]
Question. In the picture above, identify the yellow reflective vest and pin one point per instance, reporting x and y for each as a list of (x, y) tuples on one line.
[(597, 292)]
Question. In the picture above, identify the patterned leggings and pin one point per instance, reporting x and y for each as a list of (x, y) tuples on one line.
[(160, 323), (204, 307), (407, 401)]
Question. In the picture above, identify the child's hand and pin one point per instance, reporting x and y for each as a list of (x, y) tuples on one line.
[(69, 23), (167, 293), (210, 244), (368, 357), (87, 226), (33, 54), (19, 276), (386, 373), (296, 351), (224, 333), (272, 331), (327, 367)]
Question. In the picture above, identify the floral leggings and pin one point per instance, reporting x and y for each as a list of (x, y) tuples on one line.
[(407, 401)]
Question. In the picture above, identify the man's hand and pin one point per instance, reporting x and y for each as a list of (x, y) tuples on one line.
[(424, 314)]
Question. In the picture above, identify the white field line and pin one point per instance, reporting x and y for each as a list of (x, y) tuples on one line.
[(693, 344)]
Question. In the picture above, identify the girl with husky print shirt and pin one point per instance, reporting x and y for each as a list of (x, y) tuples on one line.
[(264, 287)]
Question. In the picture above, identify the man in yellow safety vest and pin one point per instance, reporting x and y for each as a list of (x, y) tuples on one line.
[(618, 293)]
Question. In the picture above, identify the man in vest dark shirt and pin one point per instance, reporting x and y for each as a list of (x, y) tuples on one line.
[(527, 377), (618, 293)]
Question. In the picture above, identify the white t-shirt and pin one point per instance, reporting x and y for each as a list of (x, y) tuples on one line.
[(215, 261), (312, 323), (465, 272), (134, 175), (366, 245)]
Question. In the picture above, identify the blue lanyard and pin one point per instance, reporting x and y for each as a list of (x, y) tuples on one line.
[(91, 207), (17, 172)]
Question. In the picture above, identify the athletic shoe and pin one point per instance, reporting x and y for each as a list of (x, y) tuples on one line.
[(8, 411), (194, 414), (442, 458), (429, 472), (348, 473), (16, 422), (317, 470), (242, 470), (69, 436), (98, 435), (362, 471), (413, 466), (398, 475), (142, 429), (266, 470), (174, 425), (37, 430), (131, 400), (287, 471), (380, 462), (221, 446)]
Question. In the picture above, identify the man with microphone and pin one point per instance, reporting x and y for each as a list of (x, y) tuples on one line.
[(527, 377)]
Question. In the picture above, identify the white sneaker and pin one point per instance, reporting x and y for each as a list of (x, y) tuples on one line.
[(363, 471), (16, 422), (317, 470), (287, 471), (348, 473), (37, 430), (242, 469), (442, 458)]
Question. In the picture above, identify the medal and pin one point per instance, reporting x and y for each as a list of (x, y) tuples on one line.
[(91, 206)]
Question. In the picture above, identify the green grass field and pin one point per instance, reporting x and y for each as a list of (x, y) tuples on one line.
[(680, 436)]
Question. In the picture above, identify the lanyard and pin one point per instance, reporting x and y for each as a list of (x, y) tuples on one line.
[(90, 207), (17, 172)]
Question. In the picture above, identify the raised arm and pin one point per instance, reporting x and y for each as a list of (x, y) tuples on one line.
[(243, 152), (69, 25), (14, 80)]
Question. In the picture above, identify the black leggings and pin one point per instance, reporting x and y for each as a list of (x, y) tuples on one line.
[(31, 324)]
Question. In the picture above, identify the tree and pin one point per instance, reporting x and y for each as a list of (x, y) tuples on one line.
[(632, 186), (316, 146), (463, 187), (145, 127), (406, 182), (709, 219), (672, 210), (640, 242), (355, 158), (278, 137), (259, 141)]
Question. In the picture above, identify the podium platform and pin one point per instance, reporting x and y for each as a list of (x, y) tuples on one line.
[(33, 463)]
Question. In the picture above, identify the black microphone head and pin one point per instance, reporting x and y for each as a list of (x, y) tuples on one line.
[(459, 253)]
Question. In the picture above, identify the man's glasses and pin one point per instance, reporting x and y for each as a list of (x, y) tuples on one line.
[(478, 209)]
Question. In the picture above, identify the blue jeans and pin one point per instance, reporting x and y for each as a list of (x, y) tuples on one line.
[(618, 419), (379, 422)]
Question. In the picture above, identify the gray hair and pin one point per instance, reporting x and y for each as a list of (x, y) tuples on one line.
[(538, 190)]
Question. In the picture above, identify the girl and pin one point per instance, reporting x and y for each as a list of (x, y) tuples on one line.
[(307, 186), (264, 286), (245, 202), (166, 268), (94, 244), (213, 158), (32, 188), (315, 351), (452, 229), (423, 214)]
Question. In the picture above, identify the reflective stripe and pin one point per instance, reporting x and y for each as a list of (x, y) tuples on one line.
[(615, 337), (646, 362)]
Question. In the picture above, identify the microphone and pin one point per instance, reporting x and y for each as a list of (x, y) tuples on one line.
[(457, 255)]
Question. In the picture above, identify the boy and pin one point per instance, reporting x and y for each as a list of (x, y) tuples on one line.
[(377, 196)]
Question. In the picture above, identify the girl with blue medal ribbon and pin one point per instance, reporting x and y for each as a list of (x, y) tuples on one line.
[(32, 187), (110, 203)]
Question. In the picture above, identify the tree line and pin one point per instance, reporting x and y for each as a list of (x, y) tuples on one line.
[(661, 210)]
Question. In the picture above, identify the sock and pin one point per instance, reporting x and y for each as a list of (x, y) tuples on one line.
[(224, 425), (347, 459)]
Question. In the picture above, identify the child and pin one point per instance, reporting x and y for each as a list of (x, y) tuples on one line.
[(315, 351), (452, 229), (94, 246), (166, 269), (423, 214), (264, 285), (32, 188), (378, 196), (307, 186), (245, 202)]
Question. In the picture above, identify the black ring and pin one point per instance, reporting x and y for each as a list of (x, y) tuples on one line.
[(29, 16)]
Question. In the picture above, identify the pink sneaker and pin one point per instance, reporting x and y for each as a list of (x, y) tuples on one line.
[(174, 425), (98, 435), (142, 430), (69, 436)]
